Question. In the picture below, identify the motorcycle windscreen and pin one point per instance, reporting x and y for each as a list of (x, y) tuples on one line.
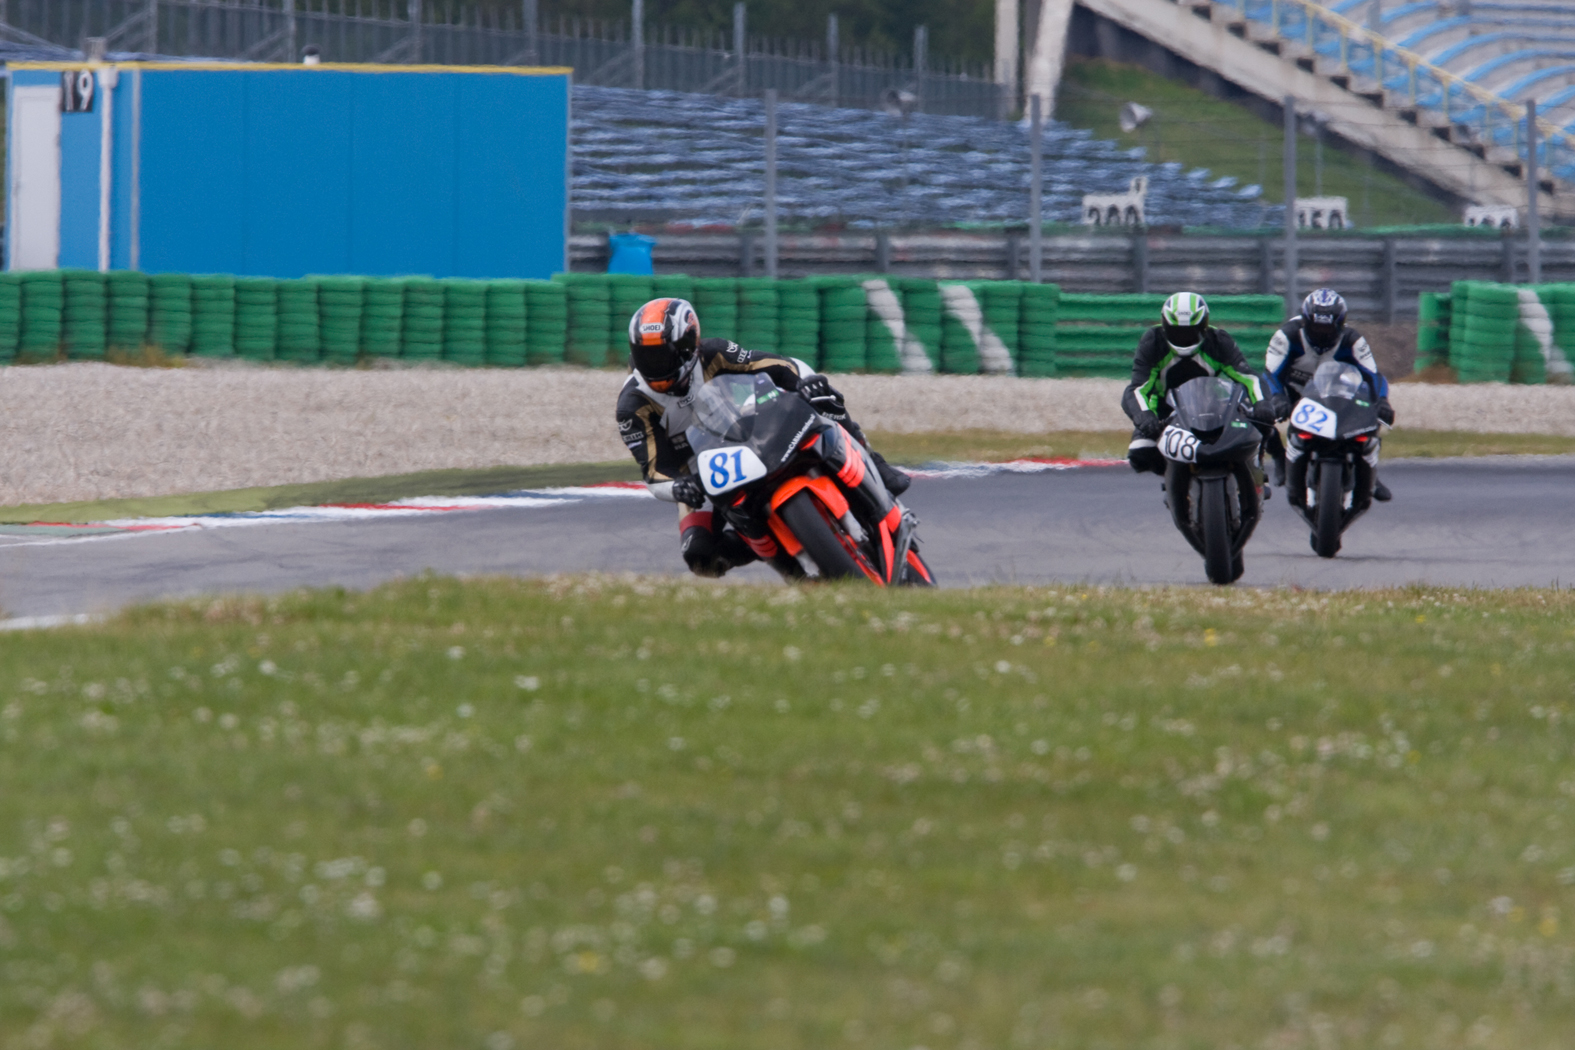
[(1207, 403), (1335, 379), (749, 411)]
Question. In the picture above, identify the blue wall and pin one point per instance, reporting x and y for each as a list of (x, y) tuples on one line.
[(287, 171)]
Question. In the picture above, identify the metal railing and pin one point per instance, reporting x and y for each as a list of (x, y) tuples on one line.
[(1355, 50), (453, 32)]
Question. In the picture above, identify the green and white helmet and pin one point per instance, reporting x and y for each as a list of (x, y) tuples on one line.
[(1185, 317)]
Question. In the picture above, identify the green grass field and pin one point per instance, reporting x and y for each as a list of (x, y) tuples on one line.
[(588, 812), (1201, 131)]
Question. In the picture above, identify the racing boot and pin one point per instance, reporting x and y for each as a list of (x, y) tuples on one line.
[(896, 481), (1381, 491), (1279, 470)]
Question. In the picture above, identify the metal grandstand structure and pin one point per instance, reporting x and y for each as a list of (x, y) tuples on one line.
[(455, 32)]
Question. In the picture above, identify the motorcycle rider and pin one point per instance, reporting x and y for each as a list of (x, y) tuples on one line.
[(1182, 347), (1318, 334), (668, 362)]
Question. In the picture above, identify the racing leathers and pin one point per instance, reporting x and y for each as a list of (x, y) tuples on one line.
[(1158, 368), (711, 545), (1290, 363)]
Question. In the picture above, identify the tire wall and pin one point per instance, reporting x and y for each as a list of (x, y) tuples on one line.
[(1499, 333)]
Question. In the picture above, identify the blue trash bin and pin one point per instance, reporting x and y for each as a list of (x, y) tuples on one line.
[(629, 253)]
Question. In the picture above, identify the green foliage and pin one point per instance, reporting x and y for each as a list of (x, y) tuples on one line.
[(592, 813), (1201, 131)]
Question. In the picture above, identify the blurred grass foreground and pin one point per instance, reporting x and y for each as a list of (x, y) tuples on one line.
[(616, 813)]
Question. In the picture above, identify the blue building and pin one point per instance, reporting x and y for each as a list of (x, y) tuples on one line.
[(286, 170)]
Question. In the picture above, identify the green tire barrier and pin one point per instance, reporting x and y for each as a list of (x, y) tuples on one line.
[(256, 318), (43, 310), (213, 316), (507, 324), (923, 311), (128, 309), (1432, 329), (10, 315), (1036, 356), (421, 336), (590, 318), (716, 301), (169, 312), (547, 308), (84, 315), (464, 321), (1002, 305), (627, 293), (759, 310), (383, 317), (798, 320), (300, 321), (673, 286), (885, 330), (844, 332), (341, 302)]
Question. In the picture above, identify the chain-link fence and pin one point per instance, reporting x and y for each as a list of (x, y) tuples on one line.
[(428, 31)]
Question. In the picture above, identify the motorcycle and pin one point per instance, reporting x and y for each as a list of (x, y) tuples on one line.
[(1334, 425), (1212, 447), (796, 486)]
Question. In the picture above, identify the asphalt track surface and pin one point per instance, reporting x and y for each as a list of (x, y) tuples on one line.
[(1493, 522)]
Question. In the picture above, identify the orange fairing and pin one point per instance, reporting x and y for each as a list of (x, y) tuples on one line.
[(918, 566), (784, 536), (888, 525), (852, 472), (764, 547), (824, 489)]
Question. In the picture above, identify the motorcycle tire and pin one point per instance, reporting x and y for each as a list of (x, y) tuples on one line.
[(1331, 510), (832, 551), (1214, 517)]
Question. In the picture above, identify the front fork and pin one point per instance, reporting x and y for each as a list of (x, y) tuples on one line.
[(1245, 508)]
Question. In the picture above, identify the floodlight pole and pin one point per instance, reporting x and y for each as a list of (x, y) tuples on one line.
[(833, 56), (637, 42), (1291, 302), (921, 47), (1533, 220), (771, 182), (1036, 246)]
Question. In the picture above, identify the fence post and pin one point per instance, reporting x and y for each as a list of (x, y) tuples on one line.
[(637, 42), (771, 182), (1140, 261), (738, 48), (1014, 250), (528, 17), (833, 57), (1291, 262), (1036, 233), (921, 45), (746, 253), (1391, 281), (1507, 246), (414, 9), (289, 32), (882, 251), (1533, 220), (151, 40), (1265, 266)]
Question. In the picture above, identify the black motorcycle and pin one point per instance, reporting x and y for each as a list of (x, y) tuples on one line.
[(796, 486), (1333, 426), (1212, 447)]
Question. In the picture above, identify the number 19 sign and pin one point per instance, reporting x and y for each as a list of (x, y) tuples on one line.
[(77, 88)]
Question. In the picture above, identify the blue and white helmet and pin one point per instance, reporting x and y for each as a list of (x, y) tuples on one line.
[(1323, 317)]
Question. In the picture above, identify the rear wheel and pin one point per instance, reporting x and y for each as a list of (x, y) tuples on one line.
[(832, 551), (1214, 517), (1331, 509)]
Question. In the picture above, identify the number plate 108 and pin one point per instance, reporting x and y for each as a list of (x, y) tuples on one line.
[(1179, 445)]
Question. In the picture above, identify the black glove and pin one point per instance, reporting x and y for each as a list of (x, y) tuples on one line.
[(825, 399), (1386, 412), (1148, 425), (688, 490), (1266, 411)]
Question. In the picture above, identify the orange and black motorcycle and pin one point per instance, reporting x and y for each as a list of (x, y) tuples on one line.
[(794, 482)]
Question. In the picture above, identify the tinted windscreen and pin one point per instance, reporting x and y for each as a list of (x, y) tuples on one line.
[(1207, 403)]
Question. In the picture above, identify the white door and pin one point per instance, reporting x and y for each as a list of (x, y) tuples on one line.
[(35, 178)]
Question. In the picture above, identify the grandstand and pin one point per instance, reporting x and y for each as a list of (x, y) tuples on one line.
[(671, 156), (1437, 87)]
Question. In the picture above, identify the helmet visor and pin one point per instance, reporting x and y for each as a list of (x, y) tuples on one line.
[(1322, 330), (1184, 337)]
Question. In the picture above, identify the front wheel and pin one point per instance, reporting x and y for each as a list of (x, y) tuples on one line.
[(1331, 509), (1214, 517), (832, 551)]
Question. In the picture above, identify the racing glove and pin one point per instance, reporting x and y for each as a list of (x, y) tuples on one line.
[(688, 490), (1386, 412), (1148, 425), (823, 397), (1266, 411)]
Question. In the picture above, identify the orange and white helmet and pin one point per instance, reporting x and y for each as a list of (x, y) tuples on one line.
[(664, 336)]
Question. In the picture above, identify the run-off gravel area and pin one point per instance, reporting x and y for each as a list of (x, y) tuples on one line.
[(91, 431)]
